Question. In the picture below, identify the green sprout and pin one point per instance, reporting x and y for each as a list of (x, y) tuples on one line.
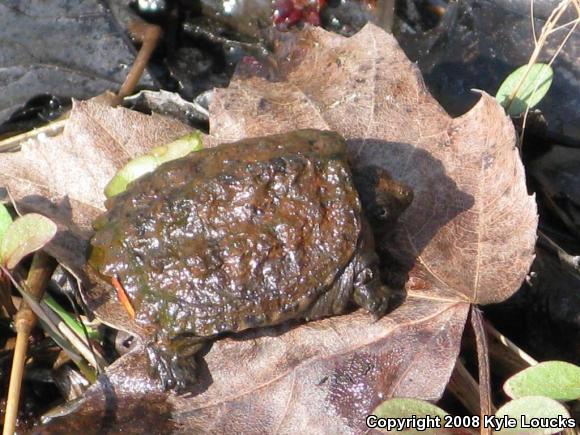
[(147, 163)]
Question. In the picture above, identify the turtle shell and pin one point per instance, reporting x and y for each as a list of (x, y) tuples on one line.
[(241, 235)]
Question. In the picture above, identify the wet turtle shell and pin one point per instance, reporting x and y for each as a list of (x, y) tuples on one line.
[(242, 235)]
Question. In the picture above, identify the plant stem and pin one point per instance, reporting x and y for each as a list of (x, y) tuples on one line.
[(39, 275), (148, 35), (546, 31), (483, 366), (465, 388), (15, 383)]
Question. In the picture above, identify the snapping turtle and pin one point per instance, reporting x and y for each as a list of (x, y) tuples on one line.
[(243, 235)]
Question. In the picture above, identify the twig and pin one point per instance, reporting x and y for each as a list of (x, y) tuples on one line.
[(546, 31), (52, 129), (532, 22), (148, 35), (50, 327), (24, 321), (572, 261), (465, 388), (483, 366), (509, 344)]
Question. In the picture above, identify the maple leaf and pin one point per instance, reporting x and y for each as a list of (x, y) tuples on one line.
[(467, 238), (469, 234)]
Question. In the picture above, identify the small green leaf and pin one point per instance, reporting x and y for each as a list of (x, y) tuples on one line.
[(131, 171), (142, 165), (404, 407), (528, 411), (25, 235), (5, 220), (558, 380), (531, 90), (179, 148)]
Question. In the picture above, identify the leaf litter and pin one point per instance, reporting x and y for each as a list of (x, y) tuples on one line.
[(63, 177), (467, 238)]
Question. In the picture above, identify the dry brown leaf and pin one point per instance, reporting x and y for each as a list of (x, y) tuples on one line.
[(470, 233), (468, 237), (322, 377), (63, 177)]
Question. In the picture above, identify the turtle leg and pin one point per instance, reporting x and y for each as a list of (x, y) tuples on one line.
[(174, 361), (359, 281), (368, 291), (336, 299)]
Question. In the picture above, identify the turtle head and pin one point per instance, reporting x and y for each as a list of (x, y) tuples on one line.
[(383, 199)]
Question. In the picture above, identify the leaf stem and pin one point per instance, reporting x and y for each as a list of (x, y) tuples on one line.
[(483, 366), (71, 321), (38, 277)]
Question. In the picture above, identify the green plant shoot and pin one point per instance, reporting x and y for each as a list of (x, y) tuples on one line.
[(142, 165)]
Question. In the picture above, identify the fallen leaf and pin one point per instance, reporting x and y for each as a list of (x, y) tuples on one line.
[(169, 104), (470, 232), (467, 238), (321, 377), (64, 177)]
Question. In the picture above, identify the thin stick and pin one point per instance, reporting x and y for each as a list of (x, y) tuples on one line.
[(563, 26), (511, 346), (15, 383), (572, 261), (52, 129), (149, 35), (80, 343), (483, 366), (547, 30), (465, 388), (532, 22), (40, 272)]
